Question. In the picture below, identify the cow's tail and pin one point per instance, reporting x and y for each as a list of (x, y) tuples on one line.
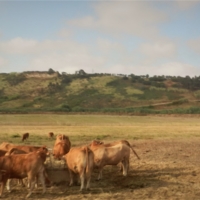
[(132, 150), (87, 160)]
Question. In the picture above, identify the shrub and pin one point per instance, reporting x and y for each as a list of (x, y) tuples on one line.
[(15, 135), (15, 79)]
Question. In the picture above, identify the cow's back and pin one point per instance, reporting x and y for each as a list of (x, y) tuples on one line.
[(6, 146), (111, 155)]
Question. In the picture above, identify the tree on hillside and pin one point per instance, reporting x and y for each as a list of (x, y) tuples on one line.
[(51, 71), (15, 78), (80, 72), (66, 79)]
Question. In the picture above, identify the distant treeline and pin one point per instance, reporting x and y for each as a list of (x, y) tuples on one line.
[(120, 111), (187, 82)]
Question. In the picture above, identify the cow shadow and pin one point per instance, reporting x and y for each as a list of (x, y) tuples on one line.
[(114, 182)]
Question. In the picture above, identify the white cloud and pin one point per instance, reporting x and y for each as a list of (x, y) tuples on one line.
[(3, 62), (157, 50), (107, 47), (195, 45), (177, 69), (169, 68), (134, 18), (25, 46), (65, 33), (61, 55), (185, 5), (17, 46), (67, 62)]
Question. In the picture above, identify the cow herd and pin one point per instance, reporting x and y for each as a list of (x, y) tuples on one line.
[(21, 161)]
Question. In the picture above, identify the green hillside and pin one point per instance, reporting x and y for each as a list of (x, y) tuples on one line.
[(82, 92)]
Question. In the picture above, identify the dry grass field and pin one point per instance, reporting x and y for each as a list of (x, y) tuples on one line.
[(169, 147)]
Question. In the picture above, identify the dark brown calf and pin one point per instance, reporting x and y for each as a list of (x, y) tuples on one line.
[(50, 135), (25, 136)]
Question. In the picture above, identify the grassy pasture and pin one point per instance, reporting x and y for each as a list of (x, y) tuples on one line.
[(168, 147), (84, 128)]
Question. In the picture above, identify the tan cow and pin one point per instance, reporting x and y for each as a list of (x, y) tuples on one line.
[(98, 142), (25, 136), (6, 146), (111, 155), (80, 161), (19, 166), (50, 135), (61, 147)]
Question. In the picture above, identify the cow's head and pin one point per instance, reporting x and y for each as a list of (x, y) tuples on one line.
[(96, 143), (60, 149)]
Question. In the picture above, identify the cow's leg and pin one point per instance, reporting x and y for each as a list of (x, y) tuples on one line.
[(21, 182), (100, 174), (88, 180), (71, 178), (121, 166), (128, 164), (82, 178), (3, 183), (37, 182), (41, 177), (31, 180), (125, 167), (48, 182), (8, 185), (124, 164)]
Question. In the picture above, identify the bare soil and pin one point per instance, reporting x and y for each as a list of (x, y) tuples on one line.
[(168, 169)]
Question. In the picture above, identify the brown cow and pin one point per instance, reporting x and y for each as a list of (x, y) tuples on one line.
[(80, 161), (111, 155), (61, 147), (25, 136), (44, 151), (2, 152), (20, 166), (27, 148), (15, 151), (50, 135)]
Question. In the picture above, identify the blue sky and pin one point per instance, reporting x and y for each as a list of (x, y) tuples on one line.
[(120, 37)]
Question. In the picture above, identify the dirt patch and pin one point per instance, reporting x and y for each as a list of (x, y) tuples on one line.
[(168, 169)]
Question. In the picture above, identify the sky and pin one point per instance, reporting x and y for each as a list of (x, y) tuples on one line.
[(114, 36)]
